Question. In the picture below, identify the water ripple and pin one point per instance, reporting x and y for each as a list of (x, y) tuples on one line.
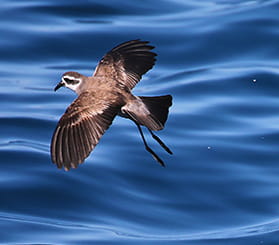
[(28, 144), (240, 232)]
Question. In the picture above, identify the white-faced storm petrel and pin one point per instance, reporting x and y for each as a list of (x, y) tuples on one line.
[(104, 95)]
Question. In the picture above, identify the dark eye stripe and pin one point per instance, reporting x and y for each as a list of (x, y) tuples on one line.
[(70, 81)]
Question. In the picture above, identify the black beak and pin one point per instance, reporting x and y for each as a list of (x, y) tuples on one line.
[(59, 85)]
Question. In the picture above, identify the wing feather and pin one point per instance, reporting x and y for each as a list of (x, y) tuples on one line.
[(127, 62), (80, 129)]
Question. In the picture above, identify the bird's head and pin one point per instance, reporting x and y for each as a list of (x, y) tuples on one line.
[(71, 80)]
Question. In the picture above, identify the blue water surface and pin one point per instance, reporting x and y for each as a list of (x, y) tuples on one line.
[(218, 59)]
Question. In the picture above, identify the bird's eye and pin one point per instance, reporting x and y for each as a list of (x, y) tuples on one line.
[(71, 81)]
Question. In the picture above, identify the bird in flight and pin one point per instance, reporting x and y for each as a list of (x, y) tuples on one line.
[(104, 95)]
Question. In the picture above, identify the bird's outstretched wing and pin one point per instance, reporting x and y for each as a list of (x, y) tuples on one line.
[(127, 62), (80, 128)]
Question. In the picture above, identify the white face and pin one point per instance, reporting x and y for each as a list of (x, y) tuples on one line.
[(71, 82)]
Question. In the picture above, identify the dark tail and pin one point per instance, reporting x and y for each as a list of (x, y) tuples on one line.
[(151, 112), (158, 107)]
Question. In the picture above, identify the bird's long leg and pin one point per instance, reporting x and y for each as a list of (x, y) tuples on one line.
[(167, 149), (158, 159)]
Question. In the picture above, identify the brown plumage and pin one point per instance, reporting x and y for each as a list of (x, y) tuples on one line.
[(103, 96)]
